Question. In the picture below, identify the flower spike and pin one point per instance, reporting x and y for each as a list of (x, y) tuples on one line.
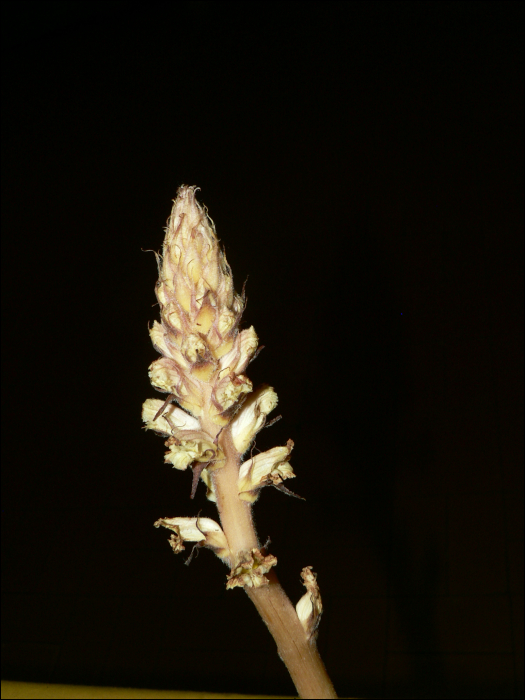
[(204, 356)]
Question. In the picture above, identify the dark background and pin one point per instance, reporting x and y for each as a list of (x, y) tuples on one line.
[(363, 165)]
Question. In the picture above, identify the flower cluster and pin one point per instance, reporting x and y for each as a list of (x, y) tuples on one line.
[(203, 353)]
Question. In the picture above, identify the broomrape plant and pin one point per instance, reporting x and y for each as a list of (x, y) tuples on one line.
[(203, 359)]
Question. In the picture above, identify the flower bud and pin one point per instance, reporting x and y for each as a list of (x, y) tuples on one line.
[(310, 608)]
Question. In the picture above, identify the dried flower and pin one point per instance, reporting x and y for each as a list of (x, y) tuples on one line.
[(250, 571)]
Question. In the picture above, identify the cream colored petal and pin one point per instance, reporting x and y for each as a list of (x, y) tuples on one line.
[(188, 527), (179, 459), (172, 313), (243, 348), (206, 477), (304, 608), (229, 389), (248, 345), (182, 455), (167, 376), (229, 360), (183, 452), (158, 338)]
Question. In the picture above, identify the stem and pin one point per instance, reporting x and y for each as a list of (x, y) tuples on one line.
[(299, 654), (235, 514)]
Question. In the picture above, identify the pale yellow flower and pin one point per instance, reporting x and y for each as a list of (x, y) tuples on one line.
[(252, 417), (175, 415), (187, 442), (205, 531), (266, 468)]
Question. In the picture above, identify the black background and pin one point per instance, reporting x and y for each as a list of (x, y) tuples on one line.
[(363, 165)]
